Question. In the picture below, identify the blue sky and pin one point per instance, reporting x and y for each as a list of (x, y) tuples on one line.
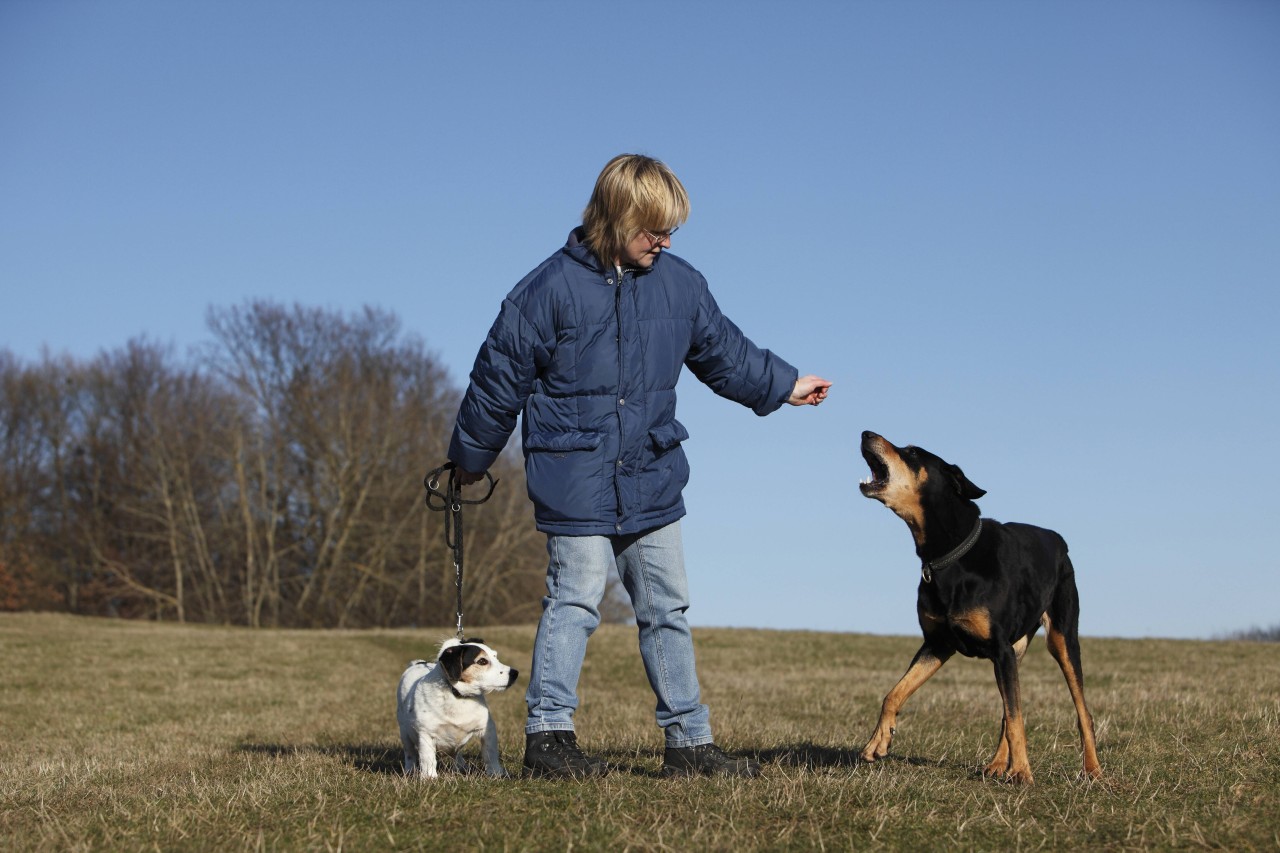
[(1039, 239)]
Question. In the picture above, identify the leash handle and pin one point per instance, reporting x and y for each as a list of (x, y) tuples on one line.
[(450, 501), (452, 493)]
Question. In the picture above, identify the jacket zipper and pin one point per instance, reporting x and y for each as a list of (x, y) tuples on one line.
[(619, 401)]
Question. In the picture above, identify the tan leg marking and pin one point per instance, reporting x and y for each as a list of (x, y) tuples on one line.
[(1057, 644), (1019, 765), (1011, 752), (999, 763), (917, 674)]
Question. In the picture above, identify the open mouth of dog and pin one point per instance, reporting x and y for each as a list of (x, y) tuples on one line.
[(878, 480), (879, 477)]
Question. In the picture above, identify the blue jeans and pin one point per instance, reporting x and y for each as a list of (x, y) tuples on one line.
[(651, 566)]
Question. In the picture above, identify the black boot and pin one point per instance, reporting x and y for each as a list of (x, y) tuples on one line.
[(557, 755), (706, 760)]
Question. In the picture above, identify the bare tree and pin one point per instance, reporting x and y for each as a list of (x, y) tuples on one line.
[(32, 430), (142, 493), (346, 412), (42, 491), (275, 481)]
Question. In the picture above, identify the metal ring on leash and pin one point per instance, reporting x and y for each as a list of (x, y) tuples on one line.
[(451, 501)]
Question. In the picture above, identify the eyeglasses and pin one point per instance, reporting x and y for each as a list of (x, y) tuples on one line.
[(657, 237)]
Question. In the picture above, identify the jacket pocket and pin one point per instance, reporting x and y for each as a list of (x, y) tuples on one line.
[(668, 435), (562, 441)]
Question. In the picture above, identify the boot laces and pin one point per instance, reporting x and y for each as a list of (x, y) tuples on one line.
[(567, 743)]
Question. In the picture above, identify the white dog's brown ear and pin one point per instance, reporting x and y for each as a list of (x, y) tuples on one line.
[(451, 661)]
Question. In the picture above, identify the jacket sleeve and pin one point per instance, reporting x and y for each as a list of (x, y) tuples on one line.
[(501, 380), (734, 367)]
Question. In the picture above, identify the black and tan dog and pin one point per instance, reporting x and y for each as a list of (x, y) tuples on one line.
[(985, 588)]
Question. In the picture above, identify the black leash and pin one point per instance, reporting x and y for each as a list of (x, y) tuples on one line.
[(450, 502)]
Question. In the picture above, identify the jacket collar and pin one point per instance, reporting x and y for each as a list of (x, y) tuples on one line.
[(578, 250)]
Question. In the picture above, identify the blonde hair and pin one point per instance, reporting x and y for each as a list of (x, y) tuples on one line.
[(634, 193)]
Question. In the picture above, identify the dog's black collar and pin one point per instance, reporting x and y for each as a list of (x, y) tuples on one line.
[(454, 690), (928, 567)]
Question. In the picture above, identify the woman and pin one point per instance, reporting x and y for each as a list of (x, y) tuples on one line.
[(588, 347)]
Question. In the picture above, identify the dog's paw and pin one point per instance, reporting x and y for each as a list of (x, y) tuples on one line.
[(1004, 771), (1020, 777), (498, 773), (878, 746)]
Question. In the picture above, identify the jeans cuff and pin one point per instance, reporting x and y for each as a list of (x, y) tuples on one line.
[(535, 728), (685, 743)]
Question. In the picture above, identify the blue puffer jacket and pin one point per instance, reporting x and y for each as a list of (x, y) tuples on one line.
[(592, 364)]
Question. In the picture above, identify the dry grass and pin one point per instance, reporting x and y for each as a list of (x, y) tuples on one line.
[(124, 736)]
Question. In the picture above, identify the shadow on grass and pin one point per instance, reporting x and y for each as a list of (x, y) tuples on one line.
[(804, 755), (386, 760), (813, 757), (371, 758)]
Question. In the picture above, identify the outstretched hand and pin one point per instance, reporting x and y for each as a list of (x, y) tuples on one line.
[(809, 391)]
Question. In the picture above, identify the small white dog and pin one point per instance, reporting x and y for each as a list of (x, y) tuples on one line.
[(441, 706)]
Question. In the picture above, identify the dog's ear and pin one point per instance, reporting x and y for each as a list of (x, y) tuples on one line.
[(451, 660), (963, 486)]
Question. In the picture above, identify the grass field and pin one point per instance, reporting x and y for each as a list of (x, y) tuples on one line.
[(127, 736)]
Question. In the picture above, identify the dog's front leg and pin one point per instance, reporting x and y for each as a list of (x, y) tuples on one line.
[(489, 751), (426, 757), (410, 755), (1012, 749), (927, 661), (1000, 761)]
